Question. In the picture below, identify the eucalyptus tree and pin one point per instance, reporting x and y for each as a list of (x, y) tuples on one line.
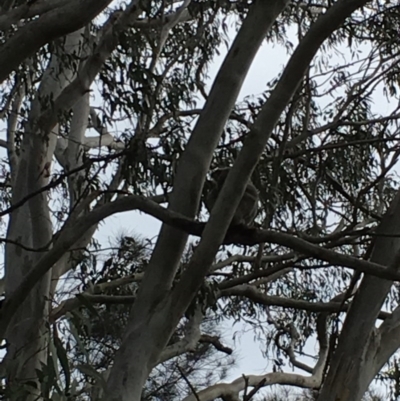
[(320, 263)]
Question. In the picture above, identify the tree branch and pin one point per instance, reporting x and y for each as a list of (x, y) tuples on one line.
[(53, 24), (250, 292), (74, 230), (28, 10), (234, 388), (215, 341), (190, 340)]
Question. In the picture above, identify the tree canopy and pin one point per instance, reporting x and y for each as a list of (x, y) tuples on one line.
[(108, 107)]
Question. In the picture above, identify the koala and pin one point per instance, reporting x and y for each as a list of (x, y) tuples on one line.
[(248, 206)]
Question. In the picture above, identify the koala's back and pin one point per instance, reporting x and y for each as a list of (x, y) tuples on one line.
[(248, 205)]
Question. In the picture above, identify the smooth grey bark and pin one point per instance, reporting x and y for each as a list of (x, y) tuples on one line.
[(231, 391), (73, 154), (156, 311), (77, 183), (361, 352), (387, 341), (30, 225)]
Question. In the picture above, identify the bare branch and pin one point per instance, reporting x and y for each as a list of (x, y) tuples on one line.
[(105, 138), (74, 230), (189, 342), (56, 23), (234, 388), (250, 259), (216, 342), (256, 296), (28, 10)]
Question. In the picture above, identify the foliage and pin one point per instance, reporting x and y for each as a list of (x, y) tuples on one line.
[(118, 113)]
